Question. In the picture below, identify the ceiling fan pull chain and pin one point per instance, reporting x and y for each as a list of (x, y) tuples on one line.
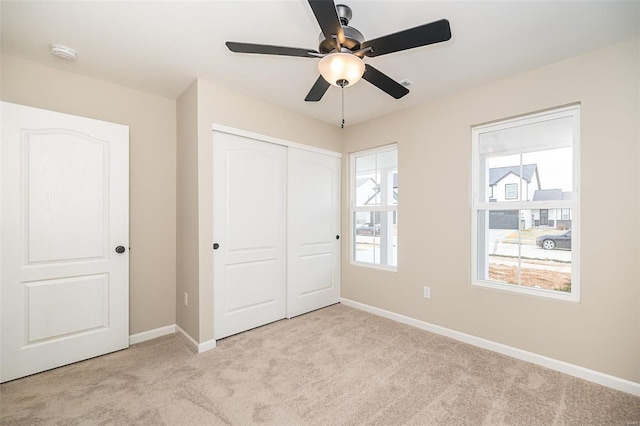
[(342, 90)]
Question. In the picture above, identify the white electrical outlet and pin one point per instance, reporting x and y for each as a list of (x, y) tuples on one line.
[(186, 299), (427, 292)]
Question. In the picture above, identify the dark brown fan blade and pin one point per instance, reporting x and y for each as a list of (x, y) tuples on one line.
[(434, 32), (266, 49), (317, 91), (327, 17), (384, 82)]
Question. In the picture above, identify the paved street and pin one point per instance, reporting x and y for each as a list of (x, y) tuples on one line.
[(498, 245), (528, 251)]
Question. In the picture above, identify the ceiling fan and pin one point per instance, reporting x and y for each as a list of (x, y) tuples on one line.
[(342, 49)]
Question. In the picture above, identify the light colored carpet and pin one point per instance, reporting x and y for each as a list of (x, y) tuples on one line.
[(333, 366)]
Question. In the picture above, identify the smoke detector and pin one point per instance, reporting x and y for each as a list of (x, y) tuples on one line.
[(63, 52)]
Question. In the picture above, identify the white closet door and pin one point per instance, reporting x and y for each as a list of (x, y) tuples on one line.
[(249, 228), (313, 261), (65, 209)]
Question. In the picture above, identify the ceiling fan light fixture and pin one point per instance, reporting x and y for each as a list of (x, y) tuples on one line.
[(338, 68)]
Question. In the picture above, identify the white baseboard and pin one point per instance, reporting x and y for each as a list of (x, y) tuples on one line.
[(171, 329), (564, 367), (151, 334), (206, 346), (198, 347)]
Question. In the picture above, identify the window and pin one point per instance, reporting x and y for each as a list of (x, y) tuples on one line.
[(511, 191), (527, 244), (374, 207)]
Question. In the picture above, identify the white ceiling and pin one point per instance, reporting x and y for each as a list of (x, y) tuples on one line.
[(162, 46)]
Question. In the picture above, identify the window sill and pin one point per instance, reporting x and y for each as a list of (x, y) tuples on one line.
[(374, 266), (528, 291)]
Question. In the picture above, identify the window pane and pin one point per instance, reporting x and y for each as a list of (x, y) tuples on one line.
[(546, 254), (376, 179), (498, 250), (375, 237), (367, 237), (537, 157), (388, 177), (367, 188), (511, 252)]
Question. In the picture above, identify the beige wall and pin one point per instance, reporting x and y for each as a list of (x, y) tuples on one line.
[(602, 332), (187, 264), (152, 130), (216, 104)]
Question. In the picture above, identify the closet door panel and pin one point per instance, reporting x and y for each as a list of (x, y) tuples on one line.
[(313, 208), (249, 228)]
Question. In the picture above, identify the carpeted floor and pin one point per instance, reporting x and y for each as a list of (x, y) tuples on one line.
[(333, 366)]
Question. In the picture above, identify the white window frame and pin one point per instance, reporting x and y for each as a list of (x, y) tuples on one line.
[(573, 204), (354, 209)]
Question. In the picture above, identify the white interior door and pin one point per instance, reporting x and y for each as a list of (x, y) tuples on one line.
[(313, 246), (65, 208), (249, 228)]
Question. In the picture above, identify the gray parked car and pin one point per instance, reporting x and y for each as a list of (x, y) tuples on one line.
[(368, 229), (550, 242)]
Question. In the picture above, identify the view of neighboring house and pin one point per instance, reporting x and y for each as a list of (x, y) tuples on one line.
[(505, 184), (559, 218)]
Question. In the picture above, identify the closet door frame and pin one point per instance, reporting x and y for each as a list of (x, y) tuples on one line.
[(270, 139)]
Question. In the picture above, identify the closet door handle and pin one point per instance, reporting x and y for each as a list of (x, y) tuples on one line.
[(337, 237), (216, 246)]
